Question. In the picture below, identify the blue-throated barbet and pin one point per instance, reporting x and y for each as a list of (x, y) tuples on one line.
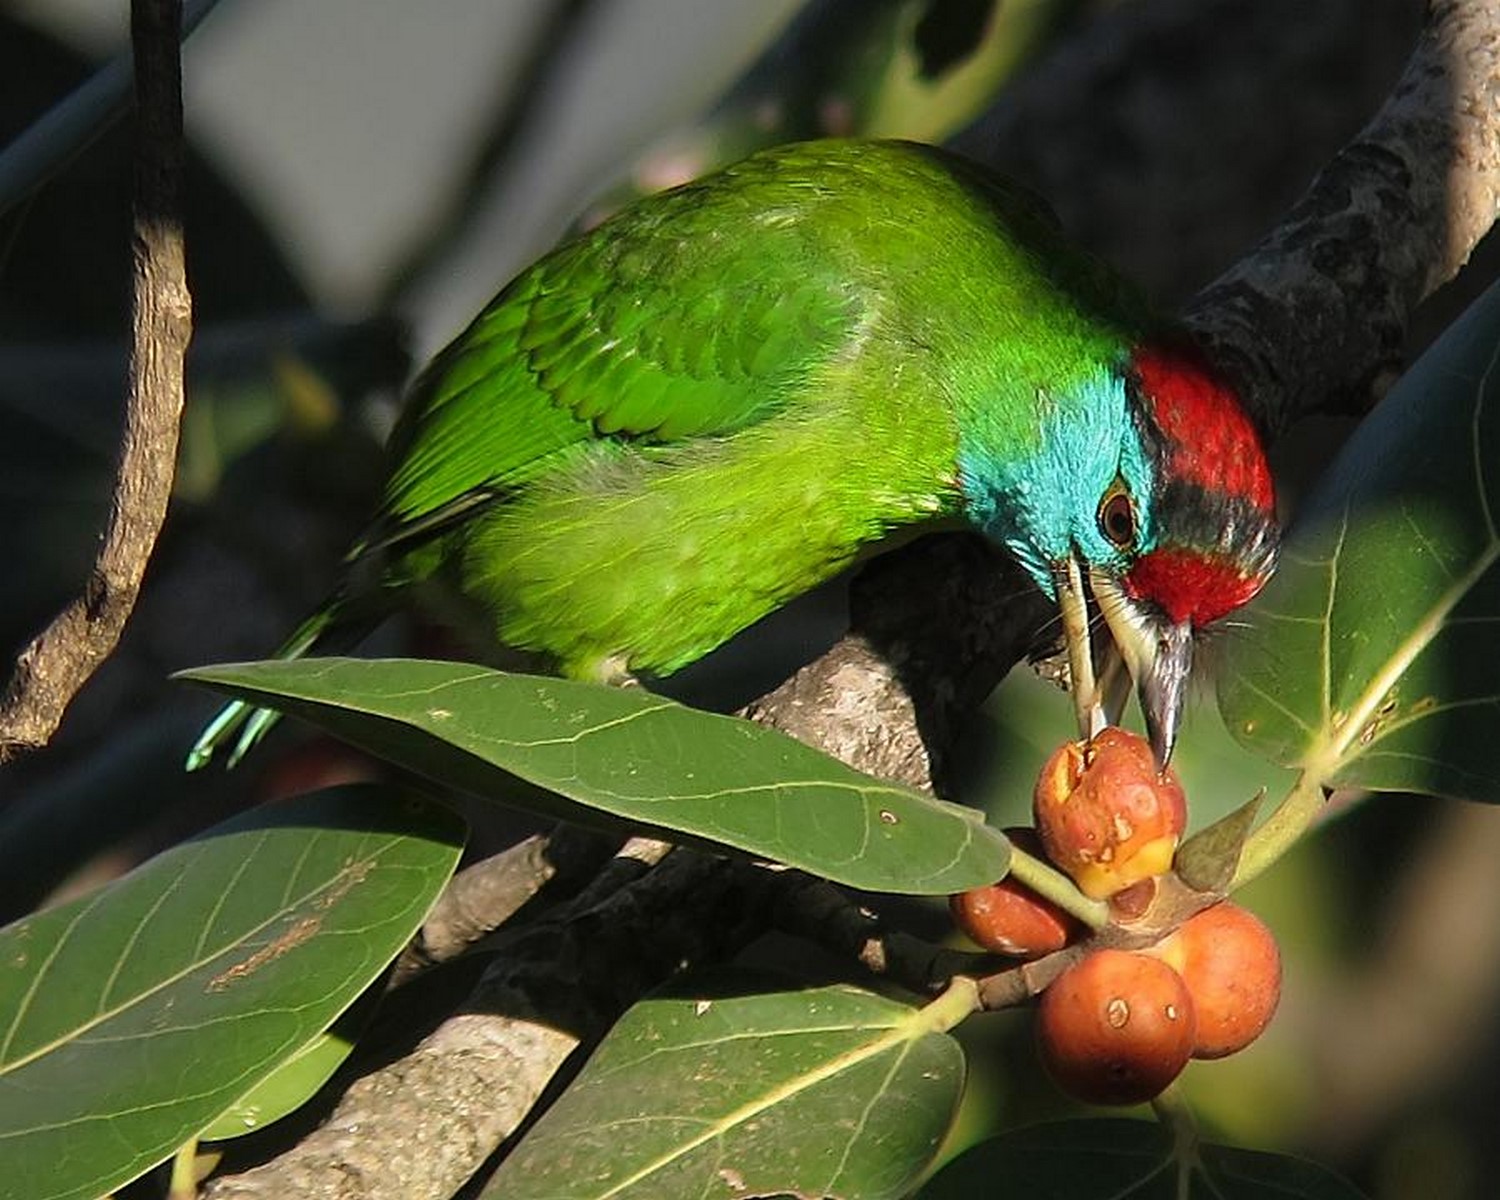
[(725, 394)]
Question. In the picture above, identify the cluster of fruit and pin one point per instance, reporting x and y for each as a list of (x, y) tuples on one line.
[(1118, 1026)]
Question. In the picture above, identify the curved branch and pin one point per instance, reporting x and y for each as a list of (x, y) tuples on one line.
[(57, 663), (1314, 317)]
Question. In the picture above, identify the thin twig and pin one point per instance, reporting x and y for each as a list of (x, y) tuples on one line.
[(50, 671), (67, 129)]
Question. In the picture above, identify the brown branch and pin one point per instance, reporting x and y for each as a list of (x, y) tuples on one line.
[(819, 912), (933, 628), (483, 896), (1315, 317), (50, 671)]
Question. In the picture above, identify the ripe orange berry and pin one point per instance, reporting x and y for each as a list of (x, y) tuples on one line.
[(1009, 918), (1116, 1027), (1104, 814), (1232, 967)]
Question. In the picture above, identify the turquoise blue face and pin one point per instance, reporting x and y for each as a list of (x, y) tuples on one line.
[(1043, 505)]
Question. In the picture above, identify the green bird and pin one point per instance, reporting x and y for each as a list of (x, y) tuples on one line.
[(729, 392)]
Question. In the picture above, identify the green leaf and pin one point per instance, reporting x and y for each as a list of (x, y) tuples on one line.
[(1371, 657), (636, 756), (827, 1092), (1127, 1160), (283, 1091), (1206, 862), (131, 1018), (297, 1079)]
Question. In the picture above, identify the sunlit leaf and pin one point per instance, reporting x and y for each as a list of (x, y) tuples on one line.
[(635, 756), (1127, 1160), (297, 1079), (1372, 656), (131, 1018), (827, 1092)]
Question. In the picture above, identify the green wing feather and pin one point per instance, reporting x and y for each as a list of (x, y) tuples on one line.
[(703, 310), (722, 395), (658, 327)]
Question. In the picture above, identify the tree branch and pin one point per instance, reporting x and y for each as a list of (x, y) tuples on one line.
[(1314, 318), (485, 895), (50, 671)]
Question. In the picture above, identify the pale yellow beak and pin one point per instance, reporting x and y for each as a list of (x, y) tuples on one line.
[(1073, 607), (1157, 654)]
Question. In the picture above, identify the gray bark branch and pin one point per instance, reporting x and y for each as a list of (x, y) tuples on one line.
[(56, 664)]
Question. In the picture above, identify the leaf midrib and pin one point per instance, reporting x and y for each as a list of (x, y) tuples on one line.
[(898, 1033), (1327, 754)]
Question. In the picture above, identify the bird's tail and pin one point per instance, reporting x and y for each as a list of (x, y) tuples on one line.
[(244, 724)]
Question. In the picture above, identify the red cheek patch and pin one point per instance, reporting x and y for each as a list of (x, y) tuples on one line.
[(1188, 586)]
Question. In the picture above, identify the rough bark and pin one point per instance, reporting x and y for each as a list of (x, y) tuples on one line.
[(59, 661)]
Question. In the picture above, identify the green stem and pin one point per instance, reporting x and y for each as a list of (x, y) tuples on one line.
[(1173, 1112), (184, 1185), (959, 1001), (1051, 884), (1282, 829)]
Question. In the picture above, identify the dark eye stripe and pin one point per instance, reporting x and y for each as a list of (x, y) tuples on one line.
[(1213, 523)]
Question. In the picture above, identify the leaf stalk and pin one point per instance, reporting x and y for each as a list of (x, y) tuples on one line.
[(1293, 817)]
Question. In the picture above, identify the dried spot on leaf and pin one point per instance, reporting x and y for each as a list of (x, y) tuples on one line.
[(290, 940)]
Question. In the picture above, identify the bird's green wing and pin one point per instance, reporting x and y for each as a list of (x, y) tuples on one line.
[(696, 314)]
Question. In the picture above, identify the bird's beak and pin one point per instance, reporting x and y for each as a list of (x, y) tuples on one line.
[(1158, 655), (1073, 606)]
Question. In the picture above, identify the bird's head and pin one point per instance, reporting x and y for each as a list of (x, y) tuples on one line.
[(1153, 488), (1208, 540)]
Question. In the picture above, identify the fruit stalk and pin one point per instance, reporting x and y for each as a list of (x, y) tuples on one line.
[(1051, 884)]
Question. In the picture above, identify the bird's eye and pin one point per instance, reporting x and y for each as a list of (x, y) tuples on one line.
[(1117, 517)]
